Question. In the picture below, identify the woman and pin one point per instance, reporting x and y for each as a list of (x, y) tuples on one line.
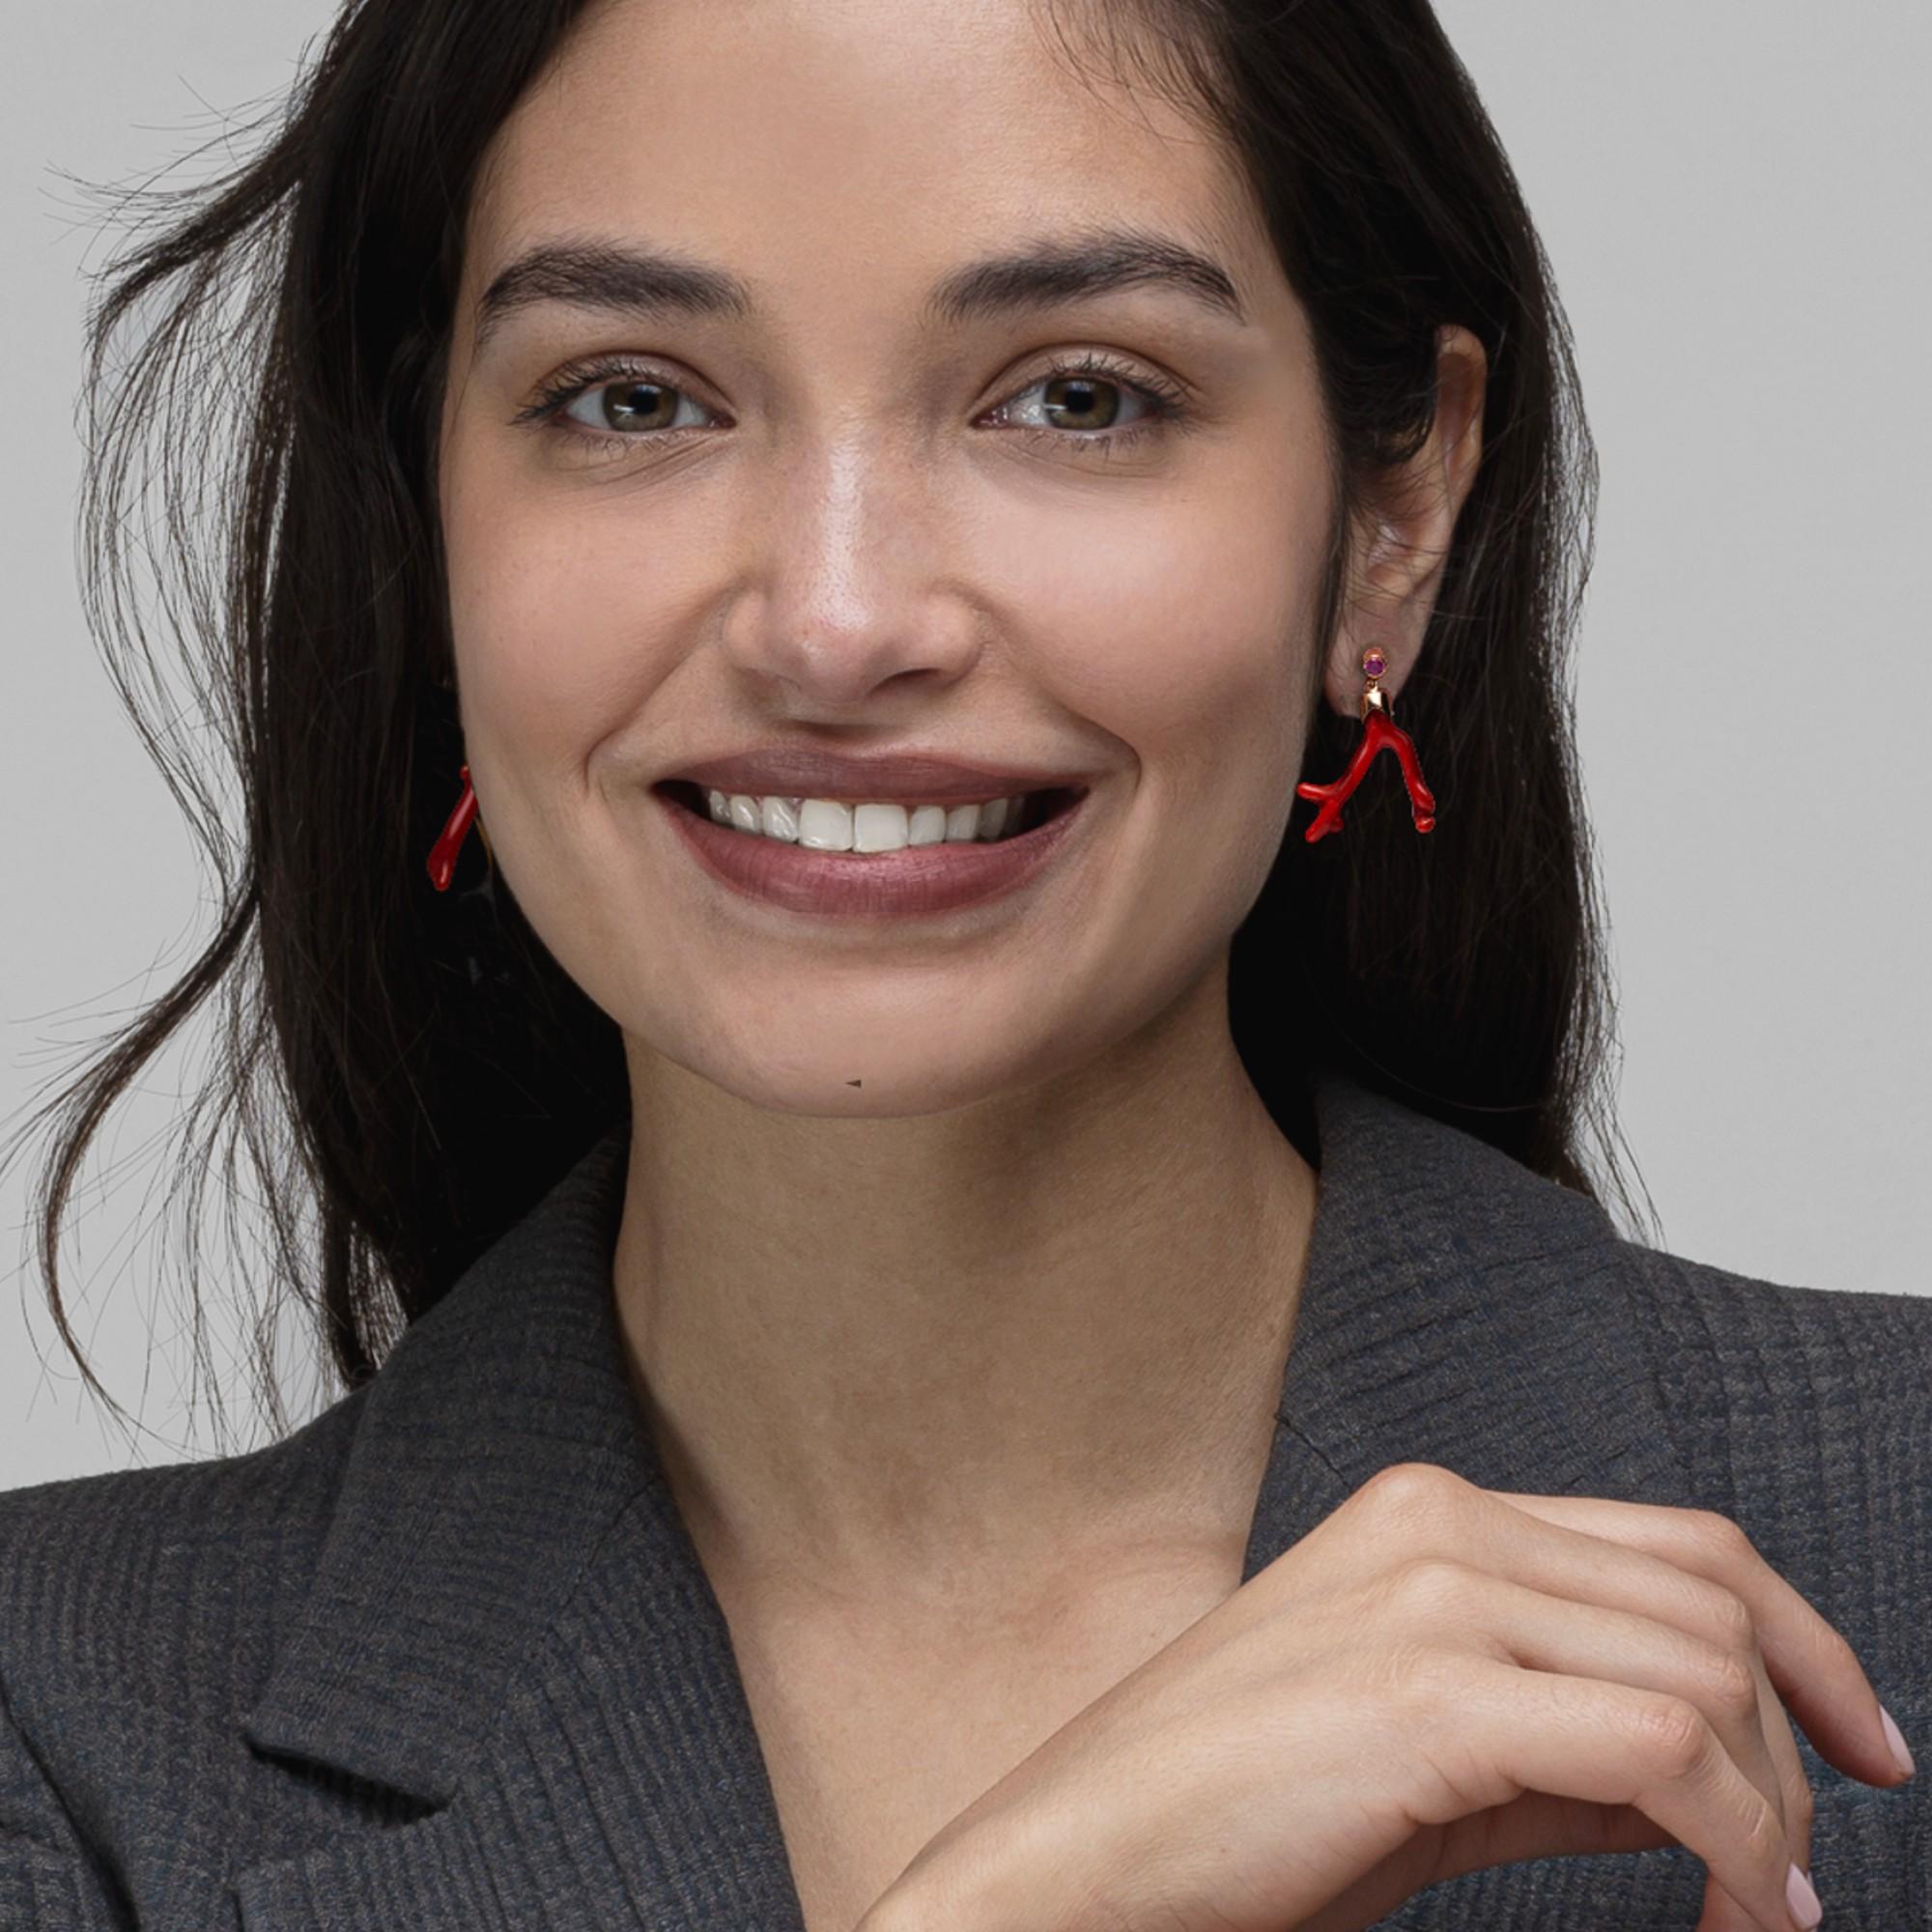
[(960, 1300)]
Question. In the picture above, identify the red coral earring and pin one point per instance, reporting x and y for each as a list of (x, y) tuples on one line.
[(449, 841), (1378, 731)]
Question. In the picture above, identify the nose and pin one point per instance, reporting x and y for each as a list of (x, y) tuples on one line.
[(854, 578)]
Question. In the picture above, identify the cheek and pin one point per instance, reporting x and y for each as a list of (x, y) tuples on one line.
[(535, 624), (566, 615), (1185, 629), (557, 646)]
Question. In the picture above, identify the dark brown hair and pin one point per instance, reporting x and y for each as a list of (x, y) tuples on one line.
[(407, 1072)]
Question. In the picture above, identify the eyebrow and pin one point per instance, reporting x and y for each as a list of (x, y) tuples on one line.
[(653, 283)]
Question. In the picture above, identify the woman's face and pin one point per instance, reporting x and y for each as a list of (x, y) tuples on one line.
[(844, 518)]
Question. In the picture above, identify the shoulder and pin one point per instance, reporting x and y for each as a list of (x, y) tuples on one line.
[(95, 1570), (1773, 1390), (139, 1614), (1801, 1412), (1806, 1410), (1805, 1415)]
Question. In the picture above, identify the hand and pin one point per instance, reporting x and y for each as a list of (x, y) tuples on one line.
[(1435, 1679)]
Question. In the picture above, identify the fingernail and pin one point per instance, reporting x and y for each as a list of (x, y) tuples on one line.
[(1897, 1742), (1802, 1900)]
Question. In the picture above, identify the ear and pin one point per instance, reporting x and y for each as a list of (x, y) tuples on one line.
[(1401, 544)]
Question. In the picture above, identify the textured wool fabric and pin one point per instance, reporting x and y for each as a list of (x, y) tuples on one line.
[(445, 1659)]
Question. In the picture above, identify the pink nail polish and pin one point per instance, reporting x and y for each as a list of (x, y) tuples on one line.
[(1897, 1742), (1805, 1910)]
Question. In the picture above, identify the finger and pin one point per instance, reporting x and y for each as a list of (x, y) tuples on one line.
[(1798, 1804), (1722, 1620), (1515, 1730), (1661, 1592), (1813, 1669), (1721, 1912), (1511, 1622)]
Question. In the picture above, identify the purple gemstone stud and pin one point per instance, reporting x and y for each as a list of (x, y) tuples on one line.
[(1374, 664)]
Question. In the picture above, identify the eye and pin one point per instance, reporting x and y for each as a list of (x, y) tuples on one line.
[(617, 404), (628, 408), (1093, 385)]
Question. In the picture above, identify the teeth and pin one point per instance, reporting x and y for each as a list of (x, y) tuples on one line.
[(825, 825)]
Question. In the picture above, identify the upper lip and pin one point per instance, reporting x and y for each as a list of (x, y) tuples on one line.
[(808, 771)]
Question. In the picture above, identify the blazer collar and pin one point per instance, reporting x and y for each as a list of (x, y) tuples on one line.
[(1455, 1308)]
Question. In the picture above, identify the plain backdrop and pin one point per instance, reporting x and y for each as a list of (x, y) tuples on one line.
[(1732, 196)]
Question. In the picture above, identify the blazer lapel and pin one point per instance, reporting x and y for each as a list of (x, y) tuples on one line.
[(511, 1628), (1457, 1309)]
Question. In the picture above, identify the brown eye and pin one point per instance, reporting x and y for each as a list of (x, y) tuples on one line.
[(637, 406), (1081, 399), (1081, 404), (626, 406)]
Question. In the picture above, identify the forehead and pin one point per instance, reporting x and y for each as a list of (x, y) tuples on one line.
[(814, 142)]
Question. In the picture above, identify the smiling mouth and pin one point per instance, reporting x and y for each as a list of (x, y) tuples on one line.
[(1040, 808)]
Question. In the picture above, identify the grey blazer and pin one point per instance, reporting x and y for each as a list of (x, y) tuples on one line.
[(445, 1659)]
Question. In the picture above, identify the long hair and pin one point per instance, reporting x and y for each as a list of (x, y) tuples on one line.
[(407, 1074)]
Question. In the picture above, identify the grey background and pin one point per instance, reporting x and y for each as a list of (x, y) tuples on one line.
[(1733, 199)]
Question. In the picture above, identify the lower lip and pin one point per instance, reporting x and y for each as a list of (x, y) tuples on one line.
[(876, 885)]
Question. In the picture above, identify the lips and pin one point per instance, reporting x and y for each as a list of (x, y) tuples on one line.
[(1040, 808), (910, 882), (805, 771)]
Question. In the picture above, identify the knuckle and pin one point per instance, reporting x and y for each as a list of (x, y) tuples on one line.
[(1413, 1490), (1732, 1616), (1431, 1588), (1672, 1735), (1728, 1681), (1726, 1678), (1719, 1534)]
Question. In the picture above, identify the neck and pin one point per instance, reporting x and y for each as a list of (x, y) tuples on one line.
[(953, 1352)]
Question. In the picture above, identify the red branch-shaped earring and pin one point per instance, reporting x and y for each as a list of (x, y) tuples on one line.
[(1380, 731), (449, 842)]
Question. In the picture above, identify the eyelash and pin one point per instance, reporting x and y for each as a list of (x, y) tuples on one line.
[(1167, 402)]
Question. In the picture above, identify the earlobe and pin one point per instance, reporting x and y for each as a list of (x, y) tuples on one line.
[(1347, 666)]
